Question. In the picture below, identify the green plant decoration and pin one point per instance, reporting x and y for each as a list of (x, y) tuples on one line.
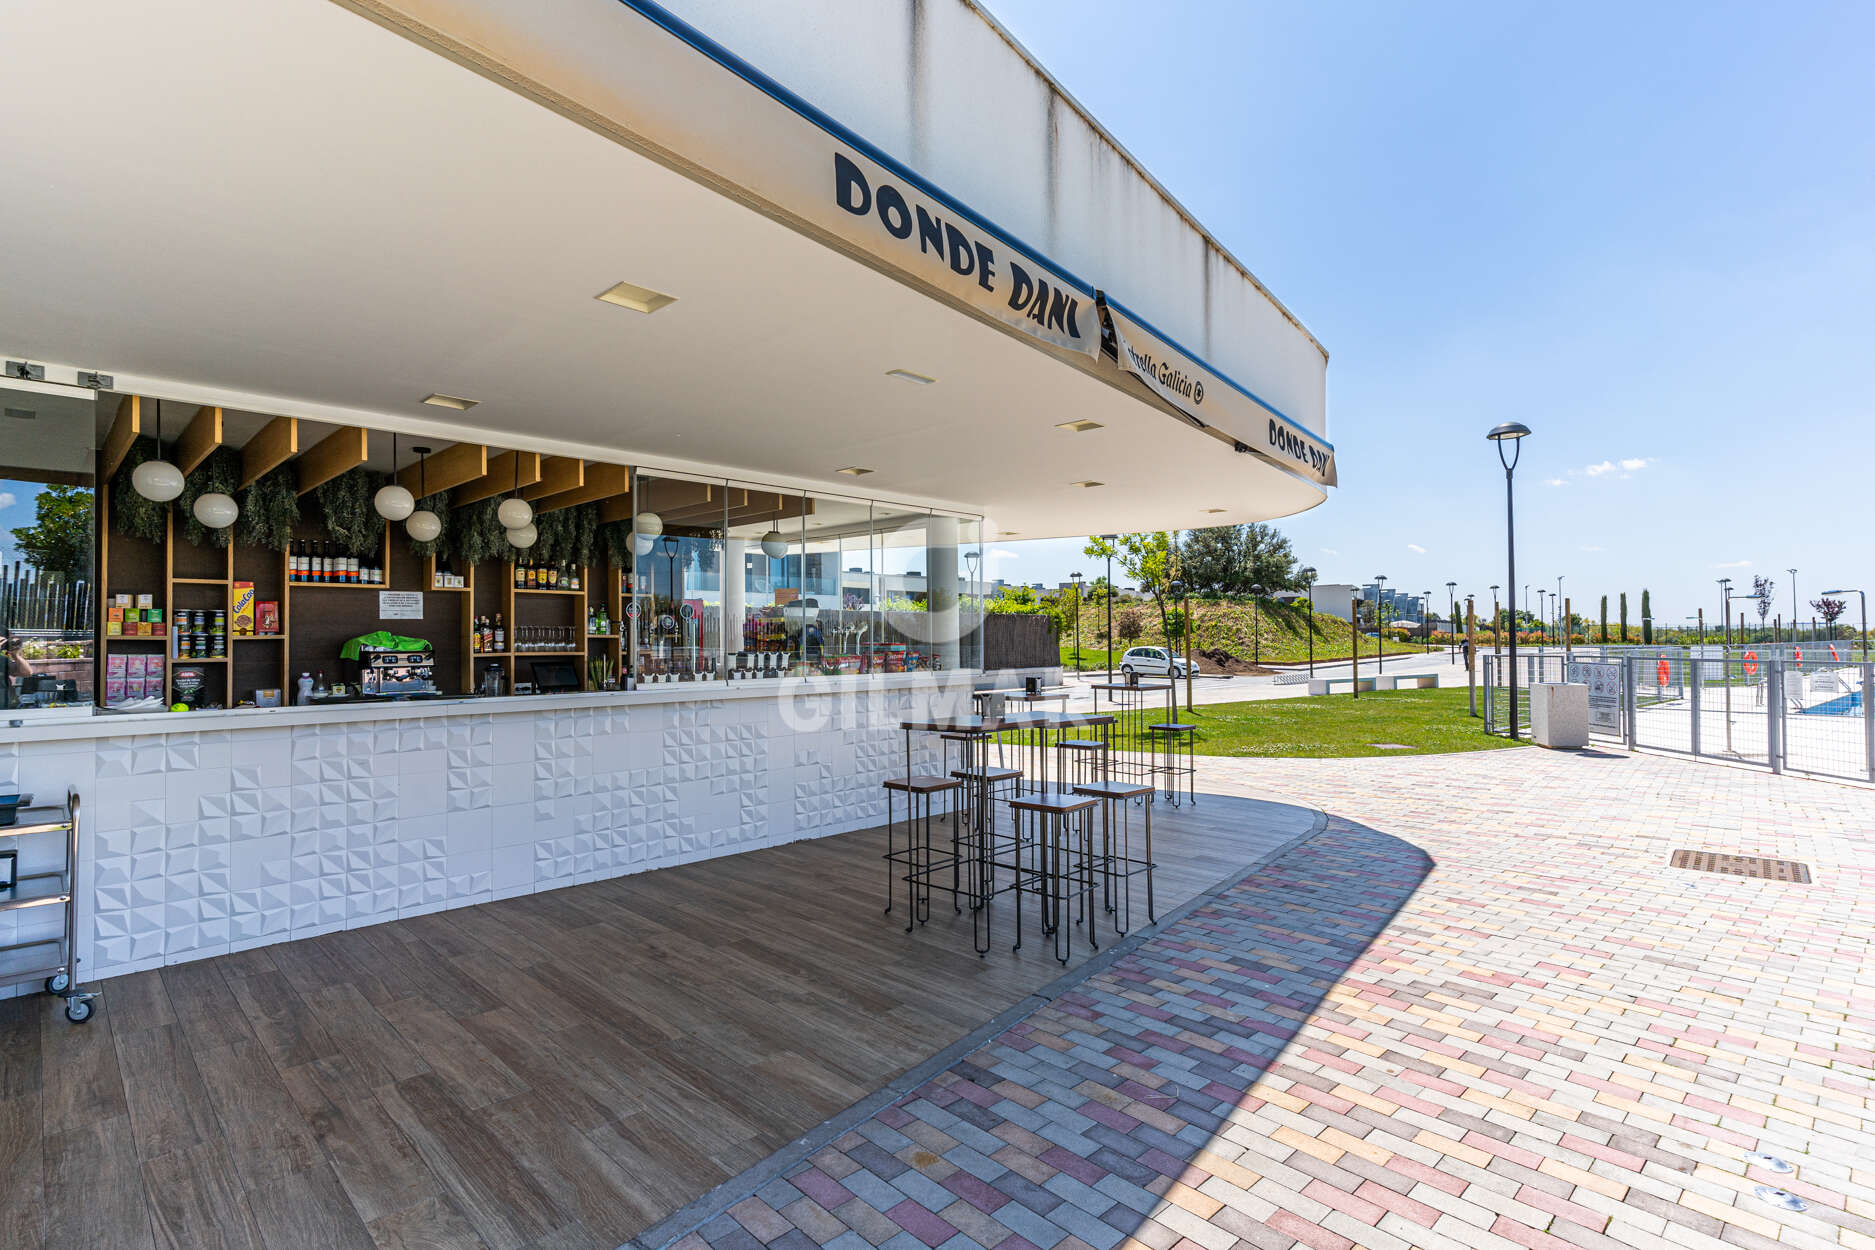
[(219, 473), (555, 545), (439, 504), (131, 514), (614, 539), (270, 510), (349, 502), (585, 544), (476, 534)]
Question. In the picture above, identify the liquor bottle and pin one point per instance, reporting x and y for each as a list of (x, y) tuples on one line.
[(475, 636), (325, 562), (292, 561), (560, 578), (351, 569), (501, 635), (487, 635), (315, 564), (575, 577)]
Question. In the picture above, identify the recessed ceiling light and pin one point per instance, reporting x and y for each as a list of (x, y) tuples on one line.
[(1080, 427), (1086, 485), (637, 298), (450, 401), (1007, 533), (853, 470), (909, 376), (1214, 511)]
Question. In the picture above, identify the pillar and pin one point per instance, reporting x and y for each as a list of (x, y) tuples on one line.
[(941, 588)]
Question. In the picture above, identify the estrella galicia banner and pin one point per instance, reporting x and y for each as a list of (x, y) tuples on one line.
[(1215, 401)]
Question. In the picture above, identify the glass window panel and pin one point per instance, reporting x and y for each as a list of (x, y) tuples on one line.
[(48, 533), (677, 579), (833, 629), (902, 588), (763, 587)]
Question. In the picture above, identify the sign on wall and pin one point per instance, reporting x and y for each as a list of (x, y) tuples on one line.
[(1215, 401), (400, 605)]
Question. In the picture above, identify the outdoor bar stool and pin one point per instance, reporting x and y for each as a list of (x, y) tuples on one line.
[(1172, 735), (1081, 760), (1060, 871), (1117, 865), (919, 861)]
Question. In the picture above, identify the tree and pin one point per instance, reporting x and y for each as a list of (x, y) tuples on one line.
[(1764, 588), (1624, 616), (1151, 560), (1829, 610), (1647, 616), (1604, 620), (1230, 559), (1129, 625), (58, 542)]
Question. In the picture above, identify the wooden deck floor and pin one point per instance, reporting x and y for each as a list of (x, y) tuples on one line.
[(559, 1070)]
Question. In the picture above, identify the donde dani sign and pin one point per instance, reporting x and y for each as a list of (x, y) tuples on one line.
[(1217, 403), (897, 223)]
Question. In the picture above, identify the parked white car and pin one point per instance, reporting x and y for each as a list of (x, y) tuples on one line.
[(1153, 662)]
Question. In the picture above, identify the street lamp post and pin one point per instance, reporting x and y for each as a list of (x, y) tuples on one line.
[(1497, 624), (1451, 617), (1512, 432), (1864, 597), (1794, 615), (1562, 626), (1542, 615), (1076, 579), (1425, 619), (1307, 574), (1256, 628), (1725, 611), (1380, 624), (1109, 540)]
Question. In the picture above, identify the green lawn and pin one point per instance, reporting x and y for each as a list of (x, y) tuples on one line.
[(1426, 722)]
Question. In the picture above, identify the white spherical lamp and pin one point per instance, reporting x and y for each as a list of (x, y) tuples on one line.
[(216, 510), (774, 546), (393, 502), (650, 524), (157, 480), (423, 526), (642, 544), (514, 512), (523, 536)]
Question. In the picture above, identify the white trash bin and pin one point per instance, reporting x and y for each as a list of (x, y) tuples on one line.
[(1559, 715)]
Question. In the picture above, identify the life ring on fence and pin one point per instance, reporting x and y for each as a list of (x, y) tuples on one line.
[(1799, 655), (1832, 652), (1751, 663), (1663, 671)]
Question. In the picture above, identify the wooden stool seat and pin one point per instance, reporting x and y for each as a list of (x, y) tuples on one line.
[(992, 775), (923, 785), (1081, 744), (1061, 804), (1172, 727), (1114, 789)]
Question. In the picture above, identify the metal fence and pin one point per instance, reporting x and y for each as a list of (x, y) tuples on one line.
[(1786, 707)]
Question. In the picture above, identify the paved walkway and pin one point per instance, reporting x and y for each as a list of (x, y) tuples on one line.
[(1244, 689), (1478, 1009)]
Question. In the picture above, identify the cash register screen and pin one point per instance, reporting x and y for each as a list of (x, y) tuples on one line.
[(554, 676)]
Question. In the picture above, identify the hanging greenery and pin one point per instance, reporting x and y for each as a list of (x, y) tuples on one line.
[(220, 473), (131, 513), (476, 534), (349, 502), (439, 504), (555, 545), (585, 544), (614, 540), (270, 509)]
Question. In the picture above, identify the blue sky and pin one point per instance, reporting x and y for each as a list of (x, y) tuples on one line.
[(1646, 231)]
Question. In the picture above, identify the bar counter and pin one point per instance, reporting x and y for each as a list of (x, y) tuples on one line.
[(214, 831)]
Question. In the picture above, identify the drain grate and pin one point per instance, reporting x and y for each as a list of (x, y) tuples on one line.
[(1744, 866)]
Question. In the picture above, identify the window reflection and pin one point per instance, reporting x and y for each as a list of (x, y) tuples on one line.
[(48, 528), (677, 580)]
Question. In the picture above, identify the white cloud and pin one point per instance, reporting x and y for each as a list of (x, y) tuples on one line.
[(6, 499), (1555, 481), (1003, 553), (1631, 464), (1330, 551), (1733, 564), (1416, 549)]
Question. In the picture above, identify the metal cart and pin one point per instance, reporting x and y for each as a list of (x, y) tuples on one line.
[(53, 958)]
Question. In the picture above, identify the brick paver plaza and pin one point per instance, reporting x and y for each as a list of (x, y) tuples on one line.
[(1477, 1009)]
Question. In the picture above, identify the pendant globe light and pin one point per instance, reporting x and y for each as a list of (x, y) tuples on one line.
[(424, 525), (393, 502), (523, 536), (774, 545), (646, 527), (516, 513), (216, 510), (157, 480)]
